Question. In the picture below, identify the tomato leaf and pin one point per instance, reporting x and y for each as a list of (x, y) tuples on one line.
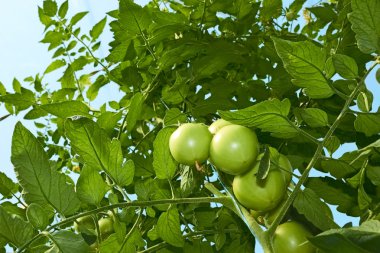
[(96, 149), (308, 203), (314, 117), (368, 123), (163, 162), (305, 62), (66, 242), (168, 228), (41, 184), (98, 28), (365, 20), (91, 187), (134, 112), (67, 109), (269, 116), (14, 229)]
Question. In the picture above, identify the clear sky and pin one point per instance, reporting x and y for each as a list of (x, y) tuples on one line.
[(22, 55)]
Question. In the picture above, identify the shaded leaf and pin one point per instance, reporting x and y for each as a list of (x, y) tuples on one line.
[(316, 211), (314, 117), (65, 241), (7, 186)]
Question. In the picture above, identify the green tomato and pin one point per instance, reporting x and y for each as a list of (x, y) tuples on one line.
[(260, 196), (291, 237), (190, 143), (234, 149), (84, 224), (106, 227), (217, 125)]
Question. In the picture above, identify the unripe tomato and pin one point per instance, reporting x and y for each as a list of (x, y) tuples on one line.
[(106, 226), (291, 237), (84, 224), (190, 143), (217, 125), (234, 149), (260, 196)]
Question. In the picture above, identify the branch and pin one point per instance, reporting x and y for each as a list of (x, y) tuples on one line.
[(222, 200)]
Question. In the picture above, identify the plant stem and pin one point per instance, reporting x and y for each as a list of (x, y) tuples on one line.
[(146, 203), (191, 234), (317, 154), (130, 231)]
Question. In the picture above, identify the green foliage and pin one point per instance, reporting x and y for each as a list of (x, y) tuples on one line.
[(298, 82)]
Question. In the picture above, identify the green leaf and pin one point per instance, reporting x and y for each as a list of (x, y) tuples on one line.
[(305, 62), (111, 244), (373, 174), (314, 117), (365, 20), (50, 7), (38, 216), (67, 109), (7, 186), (77, 17), (163, 162), (22, 101), (45, 19), (335, 192), (338, 168), (368, 123), (378, 75), (3, 91), (362, 239), (134, 112), (96, 150), (65, 241), (168, 227), (41, 184), (174, 116), (264, 165), (14, 229), (63, 9), (92, 92), (98, 28), (188, 181), (271, 9), (364, 101), (68, 79), (316, 211), (133, 18), (91, 187), (345, 66), (336, 243), (269, 116), (332, 144)]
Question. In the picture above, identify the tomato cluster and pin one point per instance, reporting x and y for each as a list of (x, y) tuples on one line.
[(234, 149)]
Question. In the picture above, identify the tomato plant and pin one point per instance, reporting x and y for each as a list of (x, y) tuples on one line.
[(190, 143), (291, 237), (294, 80), (234, 149)]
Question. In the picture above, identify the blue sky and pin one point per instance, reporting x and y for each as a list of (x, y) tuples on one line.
[(22, 55)]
